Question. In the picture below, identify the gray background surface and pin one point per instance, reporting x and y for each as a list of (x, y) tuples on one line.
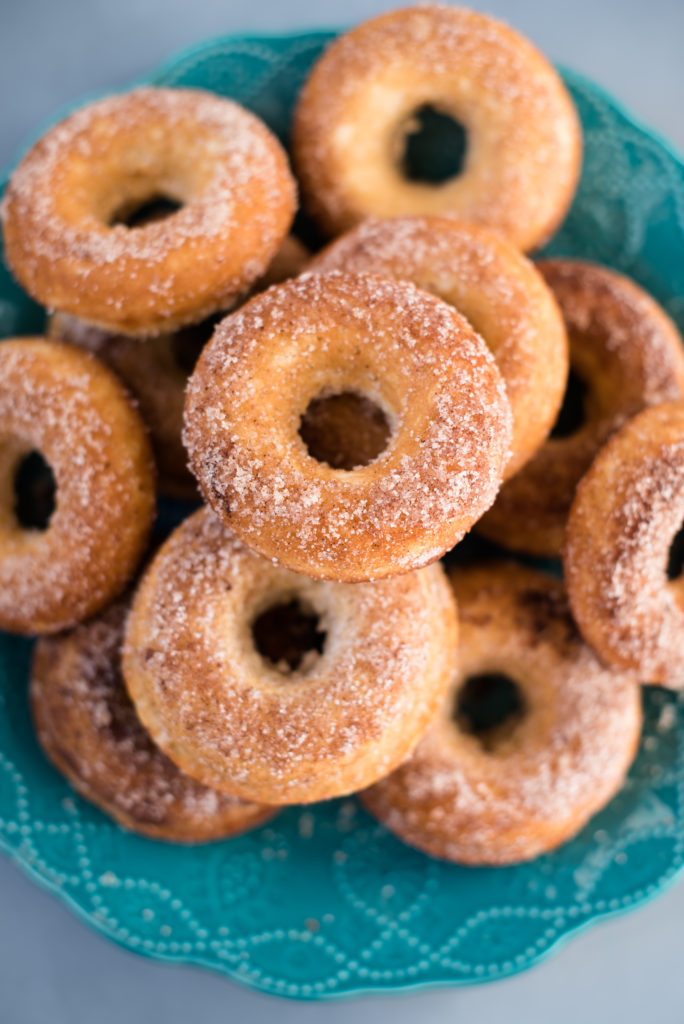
[(53, 969)]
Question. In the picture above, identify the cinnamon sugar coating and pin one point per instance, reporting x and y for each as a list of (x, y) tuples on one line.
[(408, 352), (87, 726), (219, 162), (498, 291), (543, 778), (523, 134), (69, 407), (239, 723), (629, 355), (626, 513)]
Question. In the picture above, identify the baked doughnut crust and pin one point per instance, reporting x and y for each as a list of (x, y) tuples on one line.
[(221, 163), (88, 728), (523, 134), (540, 781), (626, 513), (497, 290), (629, 355), (69, 407), (322, 334), (233, 720)]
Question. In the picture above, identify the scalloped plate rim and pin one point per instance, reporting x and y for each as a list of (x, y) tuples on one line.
[(390, 988)]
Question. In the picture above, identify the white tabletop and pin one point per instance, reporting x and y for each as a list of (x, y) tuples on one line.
[(53, 968)]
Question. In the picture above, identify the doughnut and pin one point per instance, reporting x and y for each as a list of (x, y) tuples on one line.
[(625, 354), (156, 369), (627, 511), (371, 87), (275, 687), (88, 728), (415, 358), (494, 287), (67, 205), (65, 405), (533, 737)]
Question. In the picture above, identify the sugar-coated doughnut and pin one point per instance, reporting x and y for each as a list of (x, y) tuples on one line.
[(62, 212), (87, 726), (509, 792), (63, 403), (156, 370), (627, 511), (497, 290), (414, 357), (364, 94), (349, 710), (627, 355)]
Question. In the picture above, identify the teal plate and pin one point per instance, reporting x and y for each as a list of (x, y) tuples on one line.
[(324, 902)]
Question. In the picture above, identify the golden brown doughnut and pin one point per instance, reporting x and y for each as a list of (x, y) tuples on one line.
[(627, 354), (156, 370), (476, 792), (626, 513), (496, 289), (87, 726), (252, 724), (415, 358), (64, 204), (63, 403), (364, 94)]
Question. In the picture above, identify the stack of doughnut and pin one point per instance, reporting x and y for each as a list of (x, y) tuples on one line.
[(337, 423)]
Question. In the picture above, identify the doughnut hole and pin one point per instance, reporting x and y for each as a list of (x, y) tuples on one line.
[(572, 414), (675, 557), (34, 492), (672, 551), (289, 636), (346, 430), (434, 146), (122, 193), (489, 707), (136, 213)]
